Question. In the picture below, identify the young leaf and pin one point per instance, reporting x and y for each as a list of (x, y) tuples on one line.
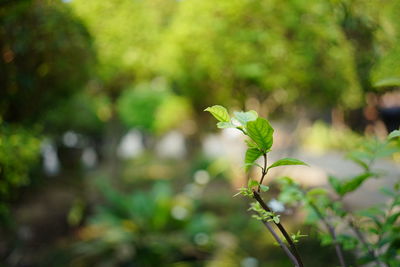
[(252, 154), (252, 183), (264, 188), (250, 143), (261, 132), (219, 112), (335, 183), (223, 125), (287, 161), (245, 117), (316, 192), (394, 134)]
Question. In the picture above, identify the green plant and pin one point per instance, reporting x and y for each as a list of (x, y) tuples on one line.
[(373, 234), (19, 152), (259, 144)]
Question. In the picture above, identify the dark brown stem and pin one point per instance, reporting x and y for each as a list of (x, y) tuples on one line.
[(281, 229), (331, 230), (282, 244)]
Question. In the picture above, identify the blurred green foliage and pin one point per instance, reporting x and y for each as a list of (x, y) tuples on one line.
[(85, 66), (373, 233), (18, 154), (42, 62)]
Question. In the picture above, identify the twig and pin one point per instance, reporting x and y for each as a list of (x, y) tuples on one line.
[(331, 230), (361, 237), (282, 244), (281, 229)]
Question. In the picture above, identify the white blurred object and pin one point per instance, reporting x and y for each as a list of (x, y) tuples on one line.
[(276, 205), (179, 212), (70, 139), (201, 177), (201, 239), (89, 157), (131, 145), (227, 144), (249, 262), (172, 145), (51, 163)]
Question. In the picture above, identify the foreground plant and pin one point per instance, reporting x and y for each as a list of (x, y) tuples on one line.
[(260, 134), (372, 234)]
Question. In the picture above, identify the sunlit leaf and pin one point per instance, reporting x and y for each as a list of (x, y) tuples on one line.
[(264, 188), (394, 134), (252, 183), (261, 132), (245, 117), (287, 161), (219, 112), (252, 154), (224, 125)]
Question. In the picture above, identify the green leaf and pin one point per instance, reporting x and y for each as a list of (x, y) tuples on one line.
[(316, 192), (287, 161), (264, 188), (354, 156), (354, 183), (252, 183), (252, 154), (245, 117), (276, 219), (219, 112), (261, 132), (250, 144), (393, 218), (394, 134), (389, 81), (335, 183), (223, 125)]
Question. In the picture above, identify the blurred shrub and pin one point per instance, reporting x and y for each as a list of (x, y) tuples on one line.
[(19, 151), (147, 228), (89, 119), (46, 56), (153, 108), (321, 137), (225, 50)]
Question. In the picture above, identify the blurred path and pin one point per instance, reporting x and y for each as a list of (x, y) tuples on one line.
[(229, 144)]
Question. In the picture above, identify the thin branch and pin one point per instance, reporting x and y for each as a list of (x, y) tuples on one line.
[(361, 237), (281, 229), (264, 172), (282, 244), (331, 230)]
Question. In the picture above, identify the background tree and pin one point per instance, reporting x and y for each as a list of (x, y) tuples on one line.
[(40, 68)]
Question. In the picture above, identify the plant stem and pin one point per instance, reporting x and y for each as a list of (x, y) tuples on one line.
[(282, 244), (331, 230), (361, 237), (264, 172), (281, 229)]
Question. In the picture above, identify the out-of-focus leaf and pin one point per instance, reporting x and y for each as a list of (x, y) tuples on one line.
[(335, 183), (264, 188), (352, 184), (394, 134), (252, 183)]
